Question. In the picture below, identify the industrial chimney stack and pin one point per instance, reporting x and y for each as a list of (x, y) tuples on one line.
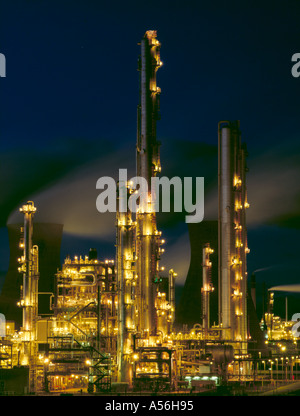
[(232, 234)]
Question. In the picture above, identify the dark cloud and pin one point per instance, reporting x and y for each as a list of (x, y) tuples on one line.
[(291, 220), (28, 171), (71, 199)]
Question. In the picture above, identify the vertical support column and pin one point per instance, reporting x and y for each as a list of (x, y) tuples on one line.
[(172, 276)]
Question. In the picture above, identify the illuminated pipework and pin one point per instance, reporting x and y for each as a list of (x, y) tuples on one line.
[(126, 284), (86, 287), (207, 287), (232, 233), (29, 299), (162, 311), (148, 160), (29, 268)]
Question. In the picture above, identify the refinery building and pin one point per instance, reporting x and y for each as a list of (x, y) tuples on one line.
[(112, 325)]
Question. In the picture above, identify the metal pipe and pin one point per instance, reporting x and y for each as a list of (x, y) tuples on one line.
[(69, 281), (172, 276)]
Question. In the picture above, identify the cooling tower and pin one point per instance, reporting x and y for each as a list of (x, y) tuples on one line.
[(257, 339), (48, 238), (189, 310)]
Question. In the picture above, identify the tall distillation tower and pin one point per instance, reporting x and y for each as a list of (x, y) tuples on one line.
[(29, 293), (232, 234), (143, 310), (148, 165), (126, 283)]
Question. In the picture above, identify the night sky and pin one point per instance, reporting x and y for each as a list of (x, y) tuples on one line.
[(68, 116)]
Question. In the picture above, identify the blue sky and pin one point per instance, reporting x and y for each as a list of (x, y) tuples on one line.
[(68, 114)]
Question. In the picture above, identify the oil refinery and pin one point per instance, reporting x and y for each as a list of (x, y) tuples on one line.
[(112, 326)]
